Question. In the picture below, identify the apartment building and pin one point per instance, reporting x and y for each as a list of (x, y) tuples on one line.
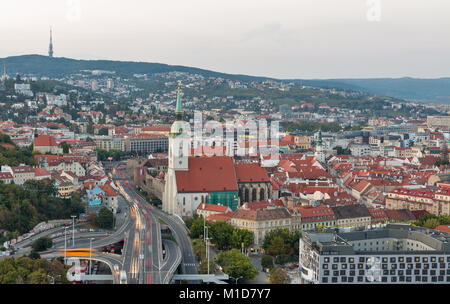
[(395, 254), (110, 143), (261, 221), (433, 200)]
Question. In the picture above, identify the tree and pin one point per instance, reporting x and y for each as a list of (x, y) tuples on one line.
[(203, 269), (267, 261), (103, 131), (277, 246), (236, 265), (42, 244), (199, 247), (431, 223), (221, 233), (65, 146), (196, 227), (38, 277), (34, 255), (283, 259), (92, 219), (281, 241), (279, 276), (240, 236), (105, 218)]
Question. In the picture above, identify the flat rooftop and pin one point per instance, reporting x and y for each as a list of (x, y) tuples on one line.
[(339, 241)]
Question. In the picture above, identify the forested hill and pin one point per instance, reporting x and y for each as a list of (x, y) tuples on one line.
[(56, 67)]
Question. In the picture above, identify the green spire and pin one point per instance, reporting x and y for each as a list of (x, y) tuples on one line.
[(178, 112)]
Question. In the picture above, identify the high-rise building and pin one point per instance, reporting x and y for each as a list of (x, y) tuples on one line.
[(50, 48)]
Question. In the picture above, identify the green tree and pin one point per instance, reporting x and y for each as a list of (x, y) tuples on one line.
[(431, 223), (199, 247), (65, 146), (283, 259), (103, 131), (38, 277), (203, 269), (281, 241), (267, 262), (236, 265), (42, 244), (221, 234), (105, 218), (196, 227), (279, 276), (34, 255), (240, 236)]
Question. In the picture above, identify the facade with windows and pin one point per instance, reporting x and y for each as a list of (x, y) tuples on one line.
[(147, 145), (397, 253)]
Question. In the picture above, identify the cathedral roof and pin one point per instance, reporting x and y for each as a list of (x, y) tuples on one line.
[(207, 174), (246, 173)]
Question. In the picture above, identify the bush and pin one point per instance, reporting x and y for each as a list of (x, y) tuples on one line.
[(34, 255), (279, 276), (42, 244), (267, 261), (283, 259)]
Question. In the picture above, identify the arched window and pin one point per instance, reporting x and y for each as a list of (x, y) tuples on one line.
[(261, 195), (246, 198), (254, 195)]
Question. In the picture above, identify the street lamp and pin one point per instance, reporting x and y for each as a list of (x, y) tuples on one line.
[(237, 279), (73, 229), (65, 245), (90, 253), (206, 244)]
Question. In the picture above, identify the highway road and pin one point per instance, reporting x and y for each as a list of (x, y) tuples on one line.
[(142, 257)]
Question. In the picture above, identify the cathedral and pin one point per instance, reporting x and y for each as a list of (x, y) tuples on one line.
[(217, 180)]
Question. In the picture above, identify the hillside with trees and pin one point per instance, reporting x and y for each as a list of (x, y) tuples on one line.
[(23, 207)]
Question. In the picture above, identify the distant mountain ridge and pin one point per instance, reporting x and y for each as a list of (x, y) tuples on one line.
[(412, 89)]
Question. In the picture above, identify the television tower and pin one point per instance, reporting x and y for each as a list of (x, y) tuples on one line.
[(50, 48)]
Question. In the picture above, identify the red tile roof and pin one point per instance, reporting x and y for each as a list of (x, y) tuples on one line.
[(207, 174), (443, 228), (109, 191), (247, 173), (312, 214), (400, 215), (41, 172), (5, 175), (226, 217), (212, 207), (45, 140)]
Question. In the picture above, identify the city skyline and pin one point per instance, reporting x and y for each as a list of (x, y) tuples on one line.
[(292, 40)]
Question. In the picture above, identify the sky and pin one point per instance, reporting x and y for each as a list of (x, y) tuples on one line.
[(308, 39)]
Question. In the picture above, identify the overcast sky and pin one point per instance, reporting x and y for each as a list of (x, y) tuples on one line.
[(276, 38)]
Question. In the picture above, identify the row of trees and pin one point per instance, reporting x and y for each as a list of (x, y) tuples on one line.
[(282, 243), (103, 155), (25, 270), (431, 221), (222, 234)]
